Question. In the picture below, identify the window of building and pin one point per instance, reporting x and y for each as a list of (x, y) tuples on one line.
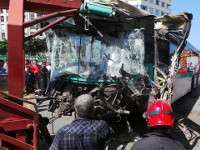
[(143, 7), (168, 5), (2, 18), (162, 13), (3, 36), (1, 10), (37, 26), (32, 27), (39, 14), (163, 4), (157, 12), (157, 2), (152, 1), (138, 6), (32, 16), (151, 10)]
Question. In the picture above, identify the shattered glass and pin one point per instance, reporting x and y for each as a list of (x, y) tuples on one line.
[(95, 59)]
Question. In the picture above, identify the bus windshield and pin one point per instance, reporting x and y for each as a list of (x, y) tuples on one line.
[(93, 58)]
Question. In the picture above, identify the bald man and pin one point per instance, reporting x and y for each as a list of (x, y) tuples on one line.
[(84, 133)]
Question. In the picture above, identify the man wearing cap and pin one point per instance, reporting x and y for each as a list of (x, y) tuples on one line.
[(160, 119), (84, 133)]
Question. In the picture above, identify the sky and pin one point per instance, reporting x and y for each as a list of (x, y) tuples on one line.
[(192, 6)]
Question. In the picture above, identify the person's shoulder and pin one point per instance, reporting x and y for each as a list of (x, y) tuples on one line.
[(142, 141), (101, 123), (146, 143), (139, 144), (64, 129)]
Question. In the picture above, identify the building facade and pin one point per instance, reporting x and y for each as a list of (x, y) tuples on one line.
[(154, 7), (4, 23)]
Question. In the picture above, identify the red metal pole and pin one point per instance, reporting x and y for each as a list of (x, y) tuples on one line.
[(35, 133), (57, 21), (16, 62), (46, 6), (49, 16)]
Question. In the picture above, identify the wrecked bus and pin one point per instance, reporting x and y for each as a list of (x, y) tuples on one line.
[(118, 54)]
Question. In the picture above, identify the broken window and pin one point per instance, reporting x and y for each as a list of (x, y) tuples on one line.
[(93, 58)]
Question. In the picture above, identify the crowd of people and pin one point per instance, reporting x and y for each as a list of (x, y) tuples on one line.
[(37, 76)]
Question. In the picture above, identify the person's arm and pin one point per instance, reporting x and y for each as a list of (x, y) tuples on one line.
[(56, 142)]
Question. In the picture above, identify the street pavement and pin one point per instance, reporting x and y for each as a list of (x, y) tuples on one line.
[(187, 111)]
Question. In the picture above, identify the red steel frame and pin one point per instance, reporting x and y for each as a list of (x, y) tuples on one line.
[(14, 117), (16, 25)]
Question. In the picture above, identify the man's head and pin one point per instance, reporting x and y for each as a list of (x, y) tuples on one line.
[(84, 106), (160, 114), (1, 63)]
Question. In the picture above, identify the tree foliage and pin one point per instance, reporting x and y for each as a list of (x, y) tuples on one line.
[(3, 47), (35, 46), (32, 47)]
